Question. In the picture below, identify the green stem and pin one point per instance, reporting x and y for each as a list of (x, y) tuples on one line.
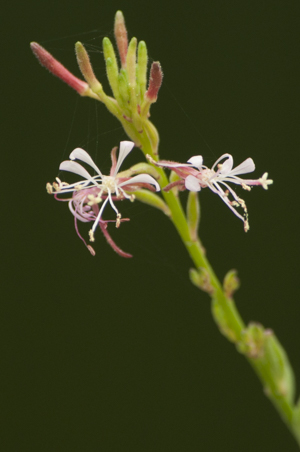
[(222, 304)]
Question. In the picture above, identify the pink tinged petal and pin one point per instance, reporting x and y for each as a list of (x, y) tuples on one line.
[(192, 183), (141, 178), (125, 148), (113, 161), (196, 161), (82, 155), (245, 167), (77, 214), (74, 167)]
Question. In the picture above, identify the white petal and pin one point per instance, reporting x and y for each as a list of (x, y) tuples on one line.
[(245, 167), (74, 167), (192, 183), (125, 148), (197, 161), (82, 155), (167, 164), (227, 166), (144, 178), (221, 158)]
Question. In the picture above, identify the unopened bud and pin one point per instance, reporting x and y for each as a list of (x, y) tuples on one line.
[(155, 82), (57, 69), (86, 67), (121, 37)]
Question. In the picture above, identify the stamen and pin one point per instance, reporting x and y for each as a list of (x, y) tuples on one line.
[(246, 187), (49, 188), (118, 221)]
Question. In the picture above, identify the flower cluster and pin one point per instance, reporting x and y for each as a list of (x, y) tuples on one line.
[(194, 176), (130, 104), (95, 191), (132, 98)]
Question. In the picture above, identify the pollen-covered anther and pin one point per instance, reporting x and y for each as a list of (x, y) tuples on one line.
[(241, 203), (132, 198), (118, 220), (94, 199), (91, 235), (49, 188), (246, 187)]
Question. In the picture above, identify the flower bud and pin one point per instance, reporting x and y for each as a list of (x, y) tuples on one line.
[(57, 69), (121, 37), (86, 67), (155, 82), (142, 62)]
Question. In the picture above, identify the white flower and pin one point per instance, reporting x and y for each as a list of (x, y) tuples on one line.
[(88, 193), (216, 179)]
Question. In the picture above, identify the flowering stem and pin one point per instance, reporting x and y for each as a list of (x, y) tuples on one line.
[(267, 358)]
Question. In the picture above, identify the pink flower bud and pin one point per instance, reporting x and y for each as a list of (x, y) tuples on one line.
[(57, 69), (121, 37), (155, 82)]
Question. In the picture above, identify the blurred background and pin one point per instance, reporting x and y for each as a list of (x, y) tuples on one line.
[(109, 354)]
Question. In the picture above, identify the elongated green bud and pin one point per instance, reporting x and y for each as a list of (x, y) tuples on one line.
[(193, 214), (142, 62), (131, 71), (112, 69), (86, 67), (123, 87)]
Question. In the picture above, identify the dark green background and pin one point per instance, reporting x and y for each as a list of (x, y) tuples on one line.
[(107, 354)]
